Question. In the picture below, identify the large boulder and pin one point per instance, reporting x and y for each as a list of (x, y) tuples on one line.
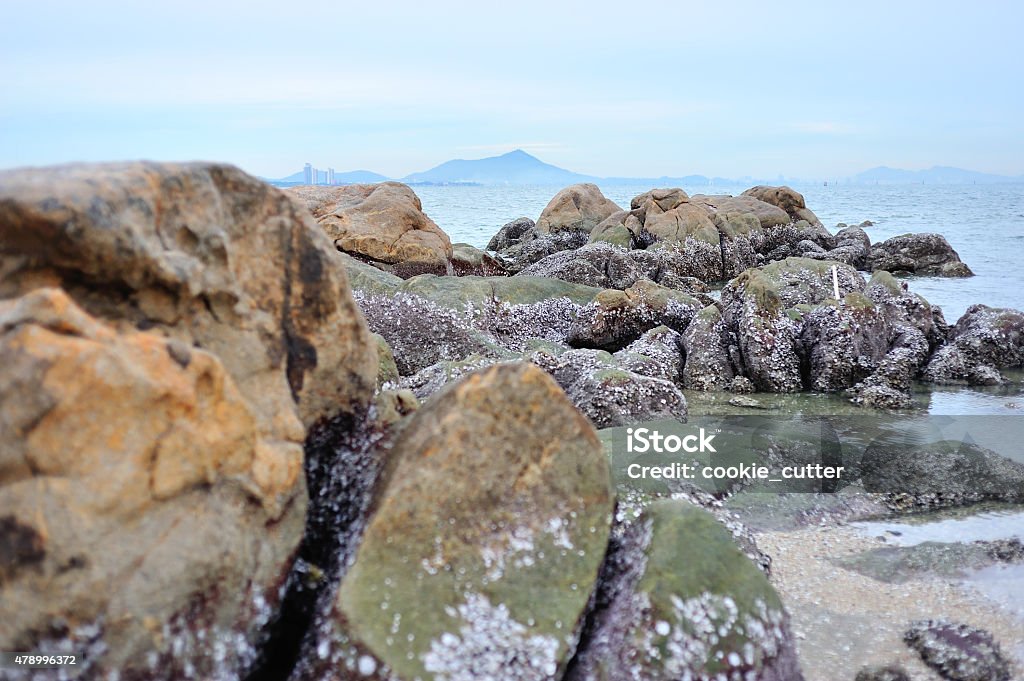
[(922, 254), (490, 579), (178, 327), (792, 202), (768, 215), (147, 517), (383, 224), (577, 208), (761, 307), (683, 602), (985, 340), (206, 255)]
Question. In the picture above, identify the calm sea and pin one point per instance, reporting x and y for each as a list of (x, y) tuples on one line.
[(984, 223)]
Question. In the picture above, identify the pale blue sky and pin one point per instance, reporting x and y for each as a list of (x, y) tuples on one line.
[(806, 89)]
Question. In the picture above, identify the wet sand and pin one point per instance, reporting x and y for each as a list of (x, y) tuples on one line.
[(845, 620)]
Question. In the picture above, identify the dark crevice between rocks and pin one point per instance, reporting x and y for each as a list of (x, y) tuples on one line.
[(343, 459), (613, 579)]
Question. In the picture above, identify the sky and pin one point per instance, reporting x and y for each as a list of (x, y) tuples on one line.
[(728, 88)]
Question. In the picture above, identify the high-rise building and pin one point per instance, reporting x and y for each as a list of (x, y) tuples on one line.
[(307, 174), (330, 176)]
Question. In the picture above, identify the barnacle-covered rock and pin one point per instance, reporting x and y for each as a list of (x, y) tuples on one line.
[(984, 340), (510, 234), (958, 652), (491, 579), (610, 395), (709, 348), (681, 601), (658, 354), (421, 333), (609, 266), (763, 305), (944, 473), (617, 318), (922, 254)]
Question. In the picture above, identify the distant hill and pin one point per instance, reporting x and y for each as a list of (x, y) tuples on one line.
[(933, 175), (520, 168), (515, 167)]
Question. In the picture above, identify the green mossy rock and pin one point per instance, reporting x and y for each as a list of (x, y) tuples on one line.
[(456, 293), (487, 532), (690, 606)]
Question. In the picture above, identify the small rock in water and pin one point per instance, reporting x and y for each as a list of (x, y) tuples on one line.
[(887, 673), (748, 402), (958, 652)]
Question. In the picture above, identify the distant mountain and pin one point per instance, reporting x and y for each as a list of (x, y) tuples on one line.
[(515, 167), (934, 175)]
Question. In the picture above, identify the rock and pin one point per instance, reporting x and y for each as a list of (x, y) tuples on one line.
[(510, 234), (421, 333), (206, 255), (706, 343), (608, 394), (922, 254), (608, 266), (367, 278), (382, 223), (760, 306), (492, 578), (958, 652), (790, 201), (394, 405), (621, 228), (577, 208), (469, 260), (944, 473), (536, 245), (679, 600), (427, 382), (983, 341), (746, 403), (767, 215), (843, 343), (387, 370), (148, 516), (458, 293), (887, 673), (657, 353), (617, 318), (597, 264)]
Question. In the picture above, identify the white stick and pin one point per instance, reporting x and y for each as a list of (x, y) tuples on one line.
[(835, 281)]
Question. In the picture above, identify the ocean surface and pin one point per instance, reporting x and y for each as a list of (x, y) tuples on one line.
[(984, 223)]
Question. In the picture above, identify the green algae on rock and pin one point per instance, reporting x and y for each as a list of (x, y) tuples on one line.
[(485, 537), (686, 604)]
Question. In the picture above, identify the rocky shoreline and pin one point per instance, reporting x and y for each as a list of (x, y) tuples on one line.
[(266, 434)]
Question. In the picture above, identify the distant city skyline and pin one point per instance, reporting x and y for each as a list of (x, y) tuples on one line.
[(801, 89)]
